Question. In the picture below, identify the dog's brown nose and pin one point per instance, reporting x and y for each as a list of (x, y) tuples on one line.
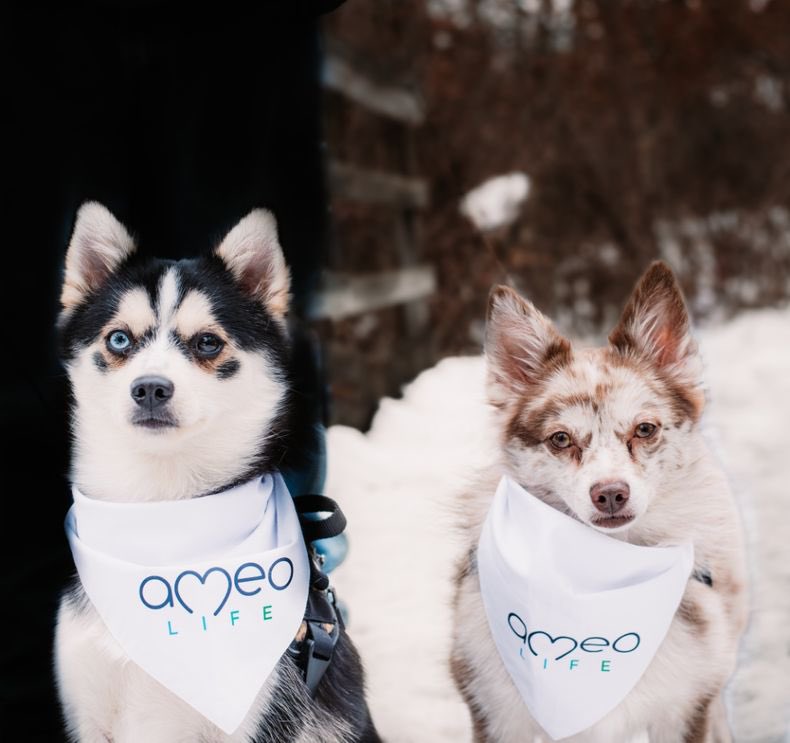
[(610, 497)]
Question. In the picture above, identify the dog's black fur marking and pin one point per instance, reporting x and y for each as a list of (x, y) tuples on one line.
[(180, 343), (333, 694), (99, 361), (143, 340), (228, 368)]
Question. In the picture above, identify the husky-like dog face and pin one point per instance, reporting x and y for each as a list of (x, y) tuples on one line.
[(176, 367), (597, 433)]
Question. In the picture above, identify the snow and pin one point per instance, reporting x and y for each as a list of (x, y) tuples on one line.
[(397, 482), (496, 202)]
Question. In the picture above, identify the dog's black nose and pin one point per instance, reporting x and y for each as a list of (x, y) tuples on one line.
[(610, 497), (152, 392)]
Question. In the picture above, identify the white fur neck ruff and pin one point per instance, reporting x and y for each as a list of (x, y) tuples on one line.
[(205, 595), (576, 615)]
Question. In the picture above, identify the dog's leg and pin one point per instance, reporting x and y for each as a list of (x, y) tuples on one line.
[(718, 723), (496, 709), (463, 675), (84, 676), (706, 723), (478, 728)]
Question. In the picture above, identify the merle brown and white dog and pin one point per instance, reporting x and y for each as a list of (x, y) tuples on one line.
[(611, 436), (181, 387)]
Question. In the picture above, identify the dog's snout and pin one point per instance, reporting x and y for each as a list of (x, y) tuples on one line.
[(610, 497), (152, 392)]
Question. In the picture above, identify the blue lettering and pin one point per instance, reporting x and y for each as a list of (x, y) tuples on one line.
[(239, 578), (280, 577), (594, 647), (627, 634), (626, 643), (520, 630), (552, 640), (281, 586), (202, 579), (168, 599)]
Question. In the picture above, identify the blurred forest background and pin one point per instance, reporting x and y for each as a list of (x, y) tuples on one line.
[(629, 130)]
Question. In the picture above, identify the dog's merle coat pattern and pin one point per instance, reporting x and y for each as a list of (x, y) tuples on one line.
[(232, 416), (540, 384)]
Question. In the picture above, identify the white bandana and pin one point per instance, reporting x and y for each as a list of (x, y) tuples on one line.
[(205, 594), (576, 615)]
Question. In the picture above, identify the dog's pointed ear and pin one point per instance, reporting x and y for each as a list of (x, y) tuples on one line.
[(99, 244), (252, 253), (522, 345), (655, 326)]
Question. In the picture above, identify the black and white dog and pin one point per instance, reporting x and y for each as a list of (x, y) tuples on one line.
[(181, 388)]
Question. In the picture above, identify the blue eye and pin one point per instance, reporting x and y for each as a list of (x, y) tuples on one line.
[(119, 342)]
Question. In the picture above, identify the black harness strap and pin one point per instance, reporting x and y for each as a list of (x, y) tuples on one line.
[(329, 526), (314, 646)]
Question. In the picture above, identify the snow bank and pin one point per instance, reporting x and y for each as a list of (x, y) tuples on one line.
[(397, 483)]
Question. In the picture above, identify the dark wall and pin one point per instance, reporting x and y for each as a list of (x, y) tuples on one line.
[(180, 121)]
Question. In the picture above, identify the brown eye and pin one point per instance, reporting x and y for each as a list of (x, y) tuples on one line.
[(645, 430), (207, 345), (560, 440)]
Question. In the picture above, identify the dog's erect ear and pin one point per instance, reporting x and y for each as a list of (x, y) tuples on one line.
[(522, 345), (252, 253), (98, 245), (655, 326)]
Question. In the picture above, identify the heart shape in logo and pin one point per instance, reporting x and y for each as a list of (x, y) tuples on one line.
[(202, 579), (552, 640)]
